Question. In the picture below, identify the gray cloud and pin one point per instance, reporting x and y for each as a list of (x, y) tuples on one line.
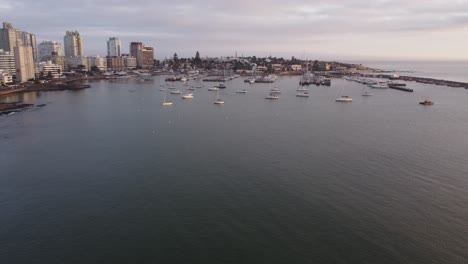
[(334, 28)]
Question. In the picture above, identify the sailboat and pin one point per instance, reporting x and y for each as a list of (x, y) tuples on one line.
[(343, 98), (166, 103), (366, 92), (218, 101)]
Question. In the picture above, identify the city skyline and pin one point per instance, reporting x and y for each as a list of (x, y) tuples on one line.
[(426, 30)]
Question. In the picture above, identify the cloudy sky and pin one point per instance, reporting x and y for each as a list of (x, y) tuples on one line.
[(333, 29)]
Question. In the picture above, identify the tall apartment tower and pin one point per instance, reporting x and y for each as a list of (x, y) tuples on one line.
[(114, 47), (24, 61), (135, 48), (73, 44), (46, 48), (29, 39), (9, 37)]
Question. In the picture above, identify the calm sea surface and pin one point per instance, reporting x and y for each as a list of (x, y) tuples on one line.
[(105, 175), (446, 70)]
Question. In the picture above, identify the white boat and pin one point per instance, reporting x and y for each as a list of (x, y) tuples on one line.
[(275, 91), (242, 91), (301, 89), (200, 86), (344, 99), (272, 96), (165, 102), (218, 101), (213, 89), (191, 88), (304, 94), (183, 79), (188, 96), (381, 85), (176, 92)]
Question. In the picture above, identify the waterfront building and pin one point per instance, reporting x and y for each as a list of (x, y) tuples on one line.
[(99, 62), (115, 63), (114, 46), (46, 48), (7, 62), (5, 77), (145, 58), (77, 62), (48, 68), (296, 67), (24, 62), (73, 44), (130, 62)]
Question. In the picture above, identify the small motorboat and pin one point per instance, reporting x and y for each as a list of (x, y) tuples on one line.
[(188, 96), (344, 99), (304, 94), (426, 102), (213, 89), (272, 96)]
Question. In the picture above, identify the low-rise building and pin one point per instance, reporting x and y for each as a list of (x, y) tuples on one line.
[(130, 62), (78, 62), (7, 62), (99, 62), (296, 67), (116, 63), (49, 69), (5, 77)]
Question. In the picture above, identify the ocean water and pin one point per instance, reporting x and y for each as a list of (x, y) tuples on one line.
[(445, 70), (106, 175)]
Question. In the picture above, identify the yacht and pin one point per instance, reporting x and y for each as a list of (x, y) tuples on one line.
[(380, 85), (272, 96), (275, 91), (344, 99), (176, 92), (218, 101), (188, 96), (304, 94)]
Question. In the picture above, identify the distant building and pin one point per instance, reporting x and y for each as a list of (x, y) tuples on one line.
[(77, 63), (7, 62), (114, 47), (99, 62), (135, 47), (73, 44), (145, 58), (46, 48), (296, 67), (116, 63), (5, 77), (24, 61), (46, 68), (130, 62)]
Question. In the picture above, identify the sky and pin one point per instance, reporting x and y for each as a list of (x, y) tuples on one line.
[(328, 30)]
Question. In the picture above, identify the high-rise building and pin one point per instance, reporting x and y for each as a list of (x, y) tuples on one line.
[(73, 44), (7, 62), (45, 49), (29, 39), (145, 58), (114, 47), (134, 48), (9, 37), (24, 61)]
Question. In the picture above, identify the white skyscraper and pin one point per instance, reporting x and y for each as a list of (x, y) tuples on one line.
[(73, 44), (47, 47), (114, 47)]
